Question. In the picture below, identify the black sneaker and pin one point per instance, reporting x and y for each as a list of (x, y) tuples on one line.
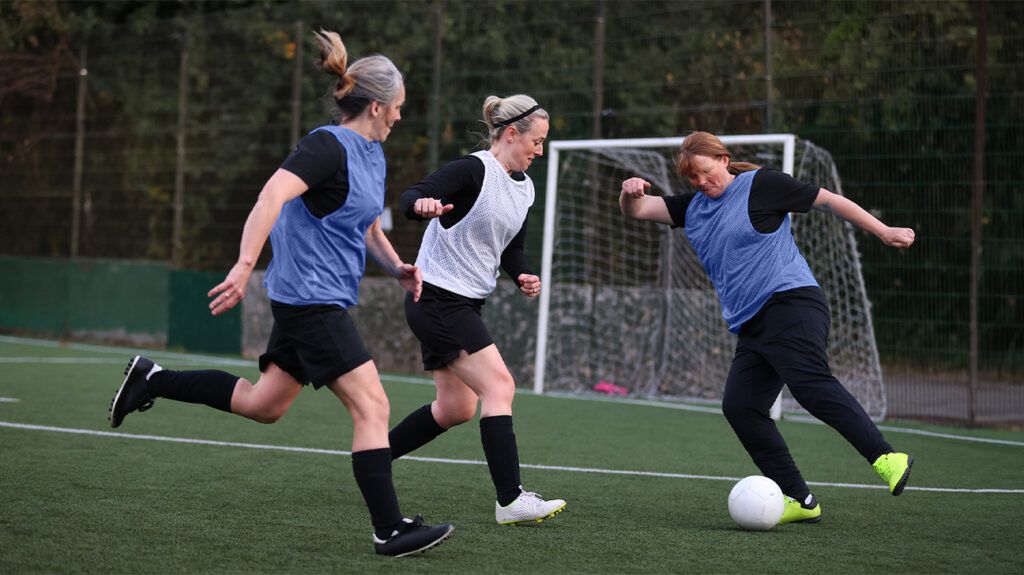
[(132, 395), (411, 537)]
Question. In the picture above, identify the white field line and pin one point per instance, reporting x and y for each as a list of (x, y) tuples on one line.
[(198, 359), (63, 360), (127, 352), (9, 400), (338, 452)]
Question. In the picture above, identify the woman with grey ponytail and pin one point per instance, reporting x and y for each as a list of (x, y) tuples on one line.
[(321, 210), (477, 207), (370, 79)]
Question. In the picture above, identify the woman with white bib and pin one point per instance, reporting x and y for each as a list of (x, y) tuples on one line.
[(477, 206)]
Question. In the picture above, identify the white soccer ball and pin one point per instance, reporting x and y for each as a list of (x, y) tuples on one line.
[(756, 502)]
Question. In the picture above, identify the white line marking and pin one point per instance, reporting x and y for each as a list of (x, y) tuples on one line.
[(794, 418), (198, 359), (129, 351), (951, 436), (912, 431), (338, 452), (62, 360), (9, 400)]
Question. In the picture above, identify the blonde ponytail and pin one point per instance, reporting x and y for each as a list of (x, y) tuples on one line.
[(334, 60), (500, 113), (371, 79)]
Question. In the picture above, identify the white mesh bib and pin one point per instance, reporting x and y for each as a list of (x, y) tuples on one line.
[(465, 258)]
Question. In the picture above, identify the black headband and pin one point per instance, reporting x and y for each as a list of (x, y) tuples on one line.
[(515, 119)]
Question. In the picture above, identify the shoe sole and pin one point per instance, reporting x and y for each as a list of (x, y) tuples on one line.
[(903, 480), (114, 403), (810, 520), (537, 520), (815, 519), (430, 545)]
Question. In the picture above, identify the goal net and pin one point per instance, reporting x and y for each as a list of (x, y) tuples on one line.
[(628, 303)]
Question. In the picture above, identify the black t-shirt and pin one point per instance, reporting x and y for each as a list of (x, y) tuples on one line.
[(320, 161), (773, 194), (458, 183)]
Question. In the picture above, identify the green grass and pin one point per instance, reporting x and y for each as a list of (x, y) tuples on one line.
[(79, 503)]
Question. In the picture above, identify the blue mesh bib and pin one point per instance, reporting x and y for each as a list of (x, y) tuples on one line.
[(321, 261), (745, 266)]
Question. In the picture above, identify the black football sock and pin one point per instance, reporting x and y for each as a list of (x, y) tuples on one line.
[(372, 469), (502, 456), (416, 430), (208, 386)]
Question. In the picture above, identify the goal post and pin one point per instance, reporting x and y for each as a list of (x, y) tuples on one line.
[(627, 302)]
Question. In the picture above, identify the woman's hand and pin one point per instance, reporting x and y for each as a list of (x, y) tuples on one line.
[(897, 237), (529, 284), (635, 187), (230, 291), (411, 279), (431, 208)]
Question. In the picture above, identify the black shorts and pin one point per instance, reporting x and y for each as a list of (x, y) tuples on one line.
[(446, 323), (314, 343)]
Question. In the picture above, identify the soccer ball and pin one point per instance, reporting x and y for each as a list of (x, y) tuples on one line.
[(756, 502)]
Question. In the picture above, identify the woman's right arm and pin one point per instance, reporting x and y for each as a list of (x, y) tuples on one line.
[(636, 204), (454, 184), (280, 188), (422, 200)]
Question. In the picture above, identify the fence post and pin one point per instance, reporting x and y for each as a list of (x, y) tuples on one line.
[(297, 85), (768, 70), (434, 129), (597, 89), (76, 186), (177, 247), (977, 192), (590, 234)]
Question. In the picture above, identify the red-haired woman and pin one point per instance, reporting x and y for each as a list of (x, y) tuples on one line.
[(738, 223)]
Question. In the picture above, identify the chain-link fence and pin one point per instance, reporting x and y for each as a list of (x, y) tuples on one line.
[(146, 130)]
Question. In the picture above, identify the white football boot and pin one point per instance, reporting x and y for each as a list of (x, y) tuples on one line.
[(528, 507)]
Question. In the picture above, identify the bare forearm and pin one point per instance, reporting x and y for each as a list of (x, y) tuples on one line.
[(280, 188), (629, 205), (256, 231), (383, 253), (636, 204), (858, 216), (851, 212)]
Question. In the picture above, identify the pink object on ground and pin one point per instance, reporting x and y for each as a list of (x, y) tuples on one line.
[(610, 388)]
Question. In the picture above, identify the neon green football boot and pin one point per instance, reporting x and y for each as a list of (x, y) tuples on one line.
[(894, 468), (797, 512)]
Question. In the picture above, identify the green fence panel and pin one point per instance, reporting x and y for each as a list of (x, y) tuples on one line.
[(191, 326), (33, 294), (117, 295), (55, 296)]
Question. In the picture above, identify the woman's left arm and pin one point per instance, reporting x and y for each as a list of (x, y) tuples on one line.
[(513, 261), (379, 247), (858, 216)]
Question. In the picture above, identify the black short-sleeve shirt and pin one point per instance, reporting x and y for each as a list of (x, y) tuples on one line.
[(773, 194), (320, 161)]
